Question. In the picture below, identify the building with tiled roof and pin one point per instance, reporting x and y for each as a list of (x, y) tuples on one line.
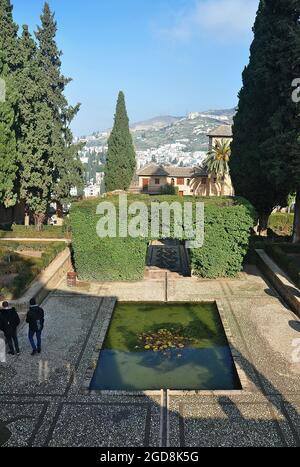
[(188, 180)]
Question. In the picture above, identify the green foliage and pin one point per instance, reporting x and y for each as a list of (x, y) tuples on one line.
[(169, 190), (34, 142), (288, 258), (217, 161), (8, 109), (282, 144), (38, 160), (227, 234), (8, 152), (62, 163), (227, 229), (258, 102), (121, 159)]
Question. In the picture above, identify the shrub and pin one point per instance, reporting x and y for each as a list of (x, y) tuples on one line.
[(109, 259), (169, 190), (227, 230), (227, 234)]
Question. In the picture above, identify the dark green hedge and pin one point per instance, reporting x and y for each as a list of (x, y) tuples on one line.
[(169, 190), (279, 252), (227, 235), (228, 223), (103, 259)]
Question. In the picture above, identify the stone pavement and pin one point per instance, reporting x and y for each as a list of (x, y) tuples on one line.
[(42, 402)]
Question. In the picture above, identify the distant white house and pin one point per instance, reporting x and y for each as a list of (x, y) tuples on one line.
[(92, 191), (95, 187), (74, 192)]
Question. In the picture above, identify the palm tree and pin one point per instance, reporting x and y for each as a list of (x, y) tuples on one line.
[(217, 161)]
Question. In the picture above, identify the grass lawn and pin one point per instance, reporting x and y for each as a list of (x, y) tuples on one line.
[(20, 231), (198, 322), (282, 224)]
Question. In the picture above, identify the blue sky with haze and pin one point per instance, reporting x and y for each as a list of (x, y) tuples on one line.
[(170, 57)]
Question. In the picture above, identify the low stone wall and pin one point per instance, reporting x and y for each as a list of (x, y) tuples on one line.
[(46, 281), (280, 280)]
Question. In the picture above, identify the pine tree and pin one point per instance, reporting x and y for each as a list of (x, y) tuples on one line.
[(257, 104), (121, 159), (8, 105)]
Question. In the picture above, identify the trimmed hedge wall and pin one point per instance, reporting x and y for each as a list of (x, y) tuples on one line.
[(228, 223), (290, 265), (108, 259), (227, 235)]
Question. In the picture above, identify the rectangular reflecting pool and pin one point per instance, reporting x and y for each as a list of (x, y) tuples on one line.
[(179, 346)]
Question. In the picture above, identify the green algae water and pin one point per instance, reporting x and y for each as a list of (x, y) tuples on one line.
[(205, 363)]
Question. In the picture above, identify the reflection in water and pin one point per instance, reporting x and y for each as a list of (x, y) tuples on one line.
[(187, 369)]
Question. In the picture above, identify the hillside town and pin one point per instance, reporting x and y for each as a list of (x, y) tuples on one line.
[(177, 142)]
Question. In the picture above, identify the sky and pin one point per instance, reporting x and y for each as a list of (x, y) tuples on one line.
[(170, 57)]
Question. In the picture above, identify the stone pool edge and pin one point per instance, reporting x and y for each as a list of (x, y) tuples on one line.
[(247, 386)]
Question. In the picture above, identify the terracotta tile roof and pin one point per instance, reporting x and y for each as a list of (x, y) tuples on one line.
[(223, 130), (153, 170)]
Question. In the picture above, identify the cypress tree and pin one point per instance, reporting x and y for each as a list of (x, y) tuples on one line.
[(121, 159), (59, 156), (257, 104), (9, 63), (34, 133), (282, 145)]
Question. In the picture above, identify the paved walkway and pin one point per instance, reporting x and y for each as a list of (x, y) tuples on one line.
[(42, 403)]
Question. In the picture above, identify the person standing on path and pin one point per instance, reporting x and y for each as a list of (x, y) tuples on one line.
[(9, 322), (35, 319)]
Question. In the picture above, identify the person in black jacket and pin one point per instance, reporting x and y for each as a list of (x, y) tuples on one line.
[(9, 322), (35, 319)]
